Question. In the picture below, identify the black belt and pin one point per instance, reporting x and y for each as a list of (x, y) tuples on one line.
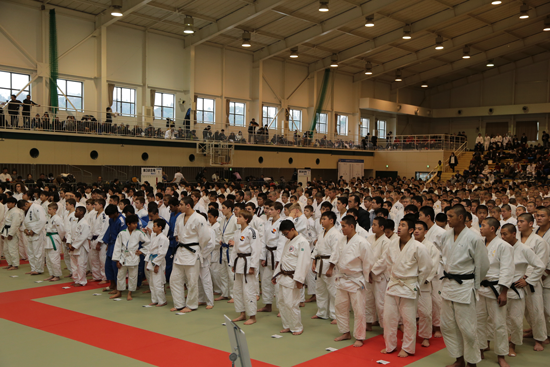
[(271, 250), (241, 256), (289, 273), (513, 287), (320, 257), (491, 284), (531, 287), (188, 246), (5, 227), (94, 238), (457, 277)]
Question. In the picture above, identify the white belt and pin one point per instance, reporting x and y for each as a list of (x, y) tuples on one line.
[(407, 282)]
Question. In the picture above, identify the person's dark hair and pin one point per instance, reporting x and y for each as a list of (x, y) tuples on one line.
[(410, 222), (428, 212), (286, 225), (389, 224), (528, 217), (187, 200), (214, 212), (349, 220), (128, 209), (482, 207), (423, 224), (492, 222), (509, 227), (132, 218), (441, 217), (381, 221), (459, 210), (326, 204), (21, 204), (411, 208), (229, 204), (278, 206), (173, 202), (160, 223), (111, 209), (343, 200), (385, 212), (353, 212), (115, 198), (330, 215)]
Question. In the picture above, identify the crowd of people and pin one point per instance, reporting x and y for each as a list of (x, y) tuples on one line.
[(466, 262)]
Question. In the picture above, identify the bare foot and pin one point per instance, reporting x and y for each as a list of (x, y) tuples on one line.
[(14, 268), (426, 343), (482, 353), (302, 304), (147, 291), (502, 362), (279, 314), (209, 307), (369, 326), (250, 321), (384, 351), (266, 308), (298, 332), (173, 309), (358, 343), (527, 334), (7, 267), (257, 298), (55, 279), (164, 304), (115, 295), (231, 301), (186, 310), (129, 297), (284, 331), (538, 346), (68, 276), (402, 354), (35, 273), (488, 346), (78, 285), (345, 336), (114, 291), (547, 341), (458, 363), (438, 334), (202, 303), (311, 299), (103, 282), (153, 304), (512, 350), (28, 272), (221, 298), (376, 323), (240, 318), (106, 289), (333, 322), (50, 278), (315, 317)]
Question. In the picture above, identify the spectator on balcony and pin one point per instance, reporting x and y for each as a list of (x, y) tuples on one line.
[(374, 141), (222, 135), (207, 133), (170, 133), (46, 121), (13, 110), (36, 122), (27, 105), (232, 138), (240, 138), (252, 130)]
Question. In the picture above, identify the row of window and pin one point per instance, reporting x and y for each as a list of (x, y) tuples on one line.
[(71, 93)]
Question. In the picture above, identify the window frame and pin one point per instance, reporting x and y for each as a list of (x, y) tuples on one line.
[(12, 90), (162, 107), (378, 129), (364, 130), (202, 112), (68, 106), (120, 102), (342, 118), (291, 120), (324, 124), (266, 119), (233, 115)]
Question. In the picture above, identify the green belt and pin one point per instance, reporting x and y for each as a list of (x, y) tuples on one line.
[(51, 234)]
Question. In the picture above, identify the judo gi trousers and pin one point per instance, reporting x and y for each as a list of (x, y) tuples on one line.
[(226, 277), (376, 292), (268, 288), (36, 252), (489, 313), (534, 312), (425, 314), (53, 261), (459, 329), (437, 301), (78, 264), (358, 301), (546, 302), (185, 274), (244, 294), (215, 269), (132, 272), (67, 257), (514, 320), (97, 261), (11, 250), (156, 284), (206, 291), (288, 301), (325, 290), (311, 283), (23, 243), (395, 308)]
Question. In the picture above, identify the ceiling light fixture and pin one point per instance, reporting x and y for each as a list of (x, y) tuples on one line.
[(424, 85), (407, 32), (323, 6), (546, 25), (523, 11), (369, 21), (439, 43), (246, 39), (334, 61), (496, 2), (368, 68), (189, 24), (466, 52), (490, 63), (294, 53), (398, 77), (116, 8)]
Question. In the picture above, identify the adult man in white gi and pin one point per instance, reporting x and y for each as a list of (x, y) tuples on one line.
[(376, 288), (35, 222), (353, 259), (10, 233), (543, 221), (228, 228), (465, 265), (192, 233), (491, 307), (290, 274)]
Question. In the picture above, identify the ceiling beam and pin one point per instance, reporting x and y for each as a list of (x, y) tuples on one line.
[(331, 24), (232, 20), (396, 35), (105, 18), (181, 11), (515, 46)]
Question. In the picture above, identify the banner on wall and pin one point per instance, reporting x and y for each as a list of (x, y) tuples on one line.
[(304, 176), (349, 168), (152, 175)]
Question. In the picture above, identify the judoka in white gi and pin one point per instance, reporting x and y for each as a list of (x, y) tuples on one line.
[(206, 288), (228, 228), (10, 233), (290, 274), (246, 261), (353, 260), (98, 250), (325, 288), (126, 254), (55, 231), (523, 257), (410, 266), (465, 264), (543, 221), (376, 288), (491, 306), (156, 262), (77, 240), (34, 223)]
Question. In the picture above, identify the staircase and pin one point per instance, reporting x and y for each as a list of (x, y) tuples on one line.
[(463, 163)]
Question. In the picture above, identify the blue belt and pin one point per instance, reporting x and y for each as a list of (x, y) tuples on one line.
[(226, 247), (152, 257)]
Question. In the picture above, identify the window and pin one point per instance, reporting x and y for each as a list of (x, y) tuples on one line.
[(342, 127), (11, 83), (322, 123), (295, 120), (237, 114), (164, 106), (269, 114), (74, 92), (124, 101), (364, 129), (205, 110), (381, 128)]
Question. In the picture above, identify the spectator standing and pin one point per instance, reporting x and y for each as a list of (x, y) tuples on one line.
[(13, 110), (27, 105)]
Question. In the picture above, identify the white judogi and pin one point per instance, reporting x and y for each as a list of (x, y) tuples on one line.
[(353, 260), (186, 268), (35, 220), (434, 235), (410, 267), (546, 284), (295, 258), (215, 266), (425, 305), (228, 229), (69, 222), (55, 231), (78, 238), (501, 270), (523, 257), (99, 224), (534, 304), (246, 255), (376, 291), (325, 288), (13, 220), (463, 256), (206, 289), (126, 246), (301, 224), (272, 250), (157, 256)]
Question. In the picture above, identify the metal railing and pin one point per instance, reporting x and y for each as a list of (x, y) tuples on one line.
[(458, 153)]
